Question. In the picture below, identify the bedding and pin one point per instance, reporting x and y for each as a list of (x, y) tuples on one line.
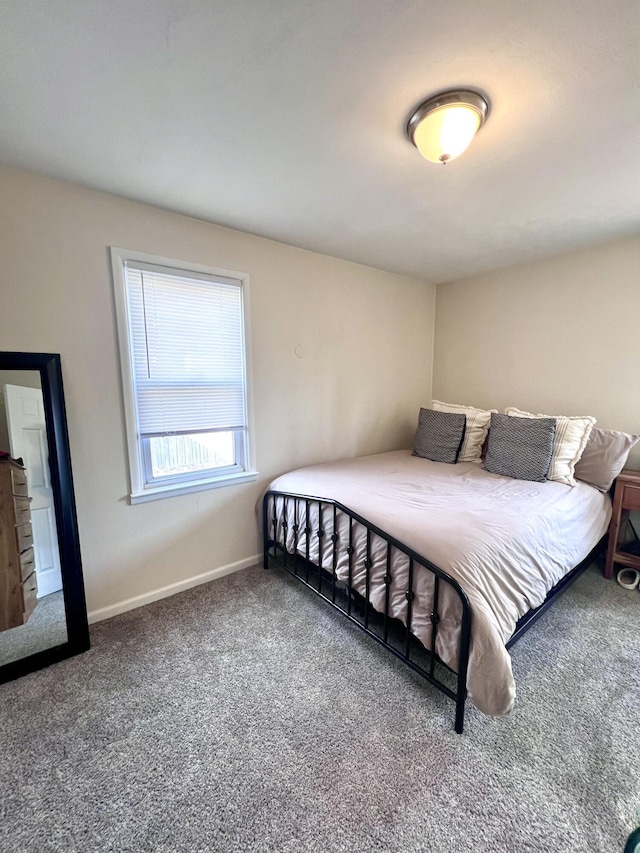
[(506, 541), (572, 434), (439, 436), (520, 447), (476, 431), (604, 457)]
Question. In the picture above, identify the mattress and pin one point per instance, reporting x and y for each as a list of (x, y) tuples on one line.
[(507, 542)]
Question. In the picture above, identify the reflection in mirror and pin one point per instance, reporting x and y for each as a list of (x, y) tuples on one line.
[(32, 610)]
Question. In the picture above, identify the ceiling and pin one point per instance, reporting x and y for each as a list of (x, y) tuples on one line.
[(285, 118)]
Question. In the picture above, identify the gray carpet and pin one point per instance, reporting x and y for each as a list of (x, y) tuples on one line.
[(46, 627), (244, 715)]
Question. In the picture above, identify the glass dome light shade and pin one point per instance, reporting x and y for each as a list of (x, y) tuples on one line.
[(442, 127), (445, 133)]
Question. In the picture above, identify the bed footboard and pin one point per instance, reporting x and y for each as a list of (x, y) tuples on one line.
[(354, 571)]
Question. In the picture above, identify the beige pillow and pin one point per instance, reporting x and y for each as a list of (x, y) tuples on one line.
[(604, 457), (477, 428), (569, 443)]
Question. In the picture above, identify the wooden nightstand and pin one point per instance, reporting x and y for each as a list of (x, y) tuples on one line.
[(625, 498)]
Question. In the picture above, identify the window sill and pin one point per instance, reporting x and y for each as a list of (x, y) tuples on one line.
[(157, 492)]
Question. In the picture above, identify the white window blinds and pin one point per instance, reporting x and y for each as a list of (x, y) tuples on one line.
[(186, 334)]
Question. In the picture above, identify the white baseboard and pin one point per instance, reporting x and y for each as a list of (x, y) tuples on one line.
[(172, 589)]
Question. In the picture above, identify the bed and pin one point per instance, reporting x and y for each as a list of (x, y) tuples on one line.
[(446, 565)]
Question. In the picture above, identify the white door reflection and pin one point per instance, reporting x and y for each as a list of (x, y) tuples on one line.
[(23, 437), (28, 441)]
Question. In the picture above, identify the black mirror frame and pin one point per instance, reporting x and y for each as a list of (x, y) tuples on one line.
[(49, 367)]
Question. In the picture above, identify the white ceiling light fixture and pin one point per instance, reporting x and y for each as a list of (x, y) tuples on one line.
[(443, 127)]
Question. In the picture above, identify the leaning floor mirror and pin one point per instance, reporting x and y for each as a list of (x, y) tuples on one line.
[(43, 615)]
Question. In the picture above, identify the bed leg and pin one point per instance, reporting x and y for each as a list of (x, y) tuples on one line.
[(463, 662), (460, 702), (265, 535)]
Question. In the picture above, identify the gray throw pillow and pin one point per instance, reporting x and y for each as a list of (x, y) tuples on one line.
[(520, 447), (439, 435), (604, 457)]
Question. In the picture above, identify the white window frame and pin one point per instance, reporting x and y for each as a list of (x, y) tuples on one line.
[(141, 489)]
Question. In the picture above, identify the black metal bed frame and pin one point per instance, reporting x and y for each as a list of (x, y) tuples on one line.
[(323, 581)]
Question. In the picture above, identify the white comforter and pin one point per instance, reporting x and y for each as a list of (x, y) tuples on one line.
[(507, 542)]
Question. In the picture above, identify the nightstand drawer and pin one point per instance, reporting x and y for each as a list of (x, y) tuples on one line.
[(19, 482), (631, 497), (24, 537), (22, 510), (27, 563), (30, 595)]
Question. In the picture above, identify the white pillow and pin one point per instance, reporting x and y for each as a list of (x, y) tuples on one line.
[(478, 421), (569, 443)]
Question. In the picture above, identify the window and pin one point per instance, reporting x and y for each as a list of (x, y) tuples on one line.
[(183, 357)]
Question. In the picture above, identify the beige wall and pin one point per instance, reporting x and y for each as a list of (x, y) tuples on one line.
[(367, 336), (559, 337)]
